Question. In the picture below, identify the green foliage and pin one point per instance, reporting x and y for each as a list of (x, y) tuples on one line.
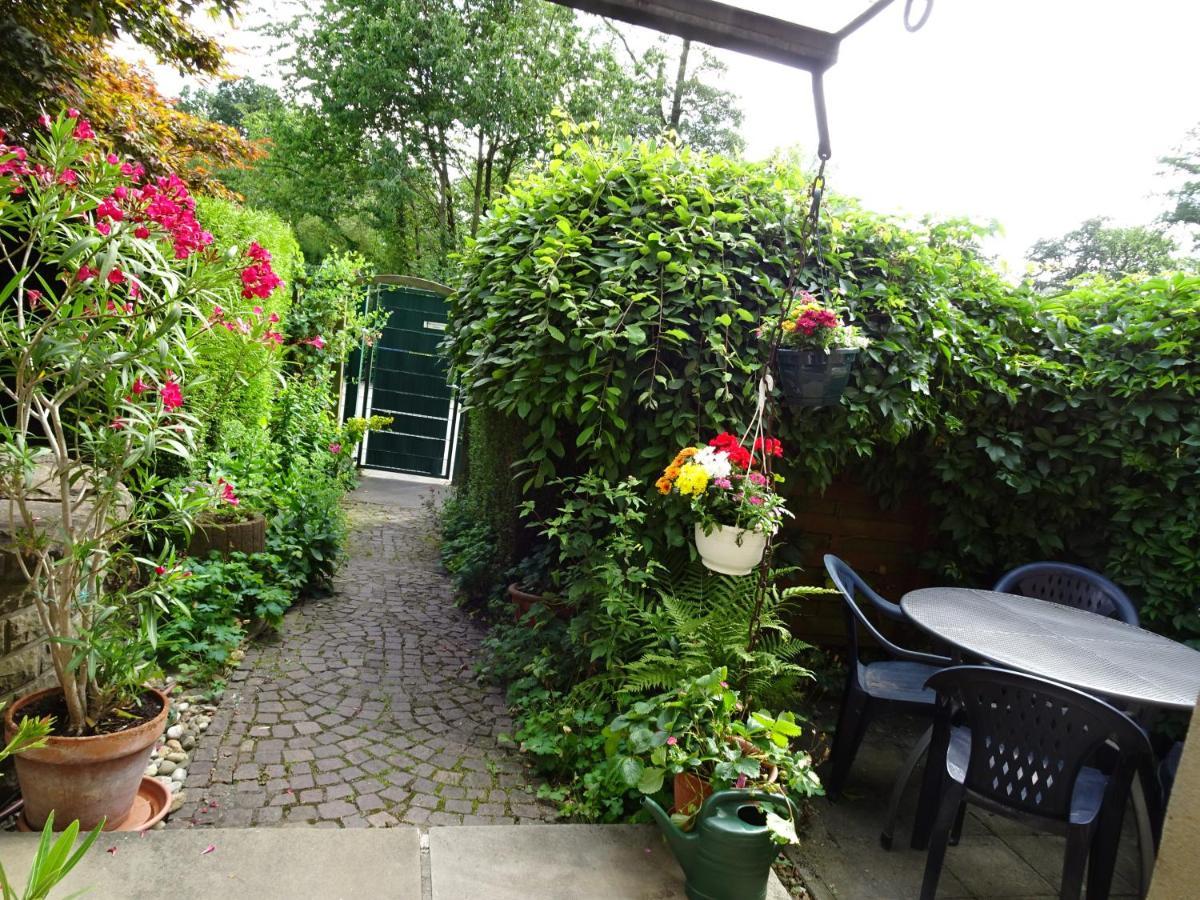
[(468, 549), (332, 305), (236, 384), (1095, 248), (1182, 165), (221, 597), (708, 621), (608, 310)]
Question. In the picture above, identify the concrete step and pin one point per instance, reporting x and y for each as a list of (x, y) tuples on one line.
[(507, 862)]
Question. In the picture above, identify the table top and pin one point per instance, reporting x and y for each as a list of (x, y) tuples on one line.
[(1093, 653)]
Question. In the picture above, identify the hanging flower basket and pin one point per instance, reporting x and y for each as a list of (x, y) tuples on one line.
[(729, 550), (814, 378)]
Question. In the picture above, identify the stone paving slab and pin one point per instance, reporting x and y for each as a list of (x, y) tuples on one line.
[(364, 710), (557, 862), (841, 858), (263, 863)]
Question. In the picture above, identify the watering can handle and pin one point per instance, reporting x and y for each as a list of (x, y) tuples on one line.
[(747, 795)]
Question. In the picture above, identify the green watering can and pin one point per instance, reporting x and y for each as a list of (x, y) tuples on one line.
[(728, 855)]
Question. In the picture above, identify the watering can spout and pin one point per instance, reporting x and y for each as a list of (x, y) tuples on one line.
[(683, 845)]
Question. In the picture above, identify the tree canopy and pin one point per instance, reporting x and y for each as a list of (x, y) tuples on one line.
[(1095, 248)]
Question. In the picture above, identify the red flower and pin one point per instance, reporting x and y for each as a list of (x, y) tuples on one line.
[(160, 570), (172, 396), (44, 120), (139, 386), (738, 455), (141, 232), (116, 276), (86, 273), (769, 446)]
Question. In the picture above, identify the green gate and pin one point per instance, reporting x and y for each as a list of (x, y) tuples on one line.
[(405, 376)]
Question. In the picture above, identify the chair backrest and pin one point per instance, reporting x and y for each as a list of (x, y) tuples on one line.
[(852, 587), (1030, 736), (1069, 585)]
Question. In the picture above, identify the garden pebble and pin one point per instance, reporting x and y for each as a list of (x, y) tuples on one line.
[(179, 775), (166, 767), (175, 731)]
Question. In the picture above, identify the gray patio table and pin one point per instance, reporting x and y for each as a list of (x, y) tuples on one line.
[(1136, 669)]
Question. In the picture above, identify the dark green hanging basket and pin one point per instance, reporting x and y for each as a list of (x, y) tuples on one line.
[(814, 378)]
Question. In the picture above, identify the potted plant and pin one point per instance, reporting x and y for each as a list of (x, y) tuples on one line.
[(226, 525), (533, 584), (733, 498), (107, 277), (699, 739), (816, 352)]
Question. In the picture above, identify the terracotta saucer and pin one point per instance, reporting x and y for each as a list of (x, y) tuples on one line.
[(149, 808)]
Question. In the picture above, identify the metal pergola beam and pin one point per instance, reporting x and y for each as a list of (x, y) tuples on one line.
[(722, 25), (732, 28)]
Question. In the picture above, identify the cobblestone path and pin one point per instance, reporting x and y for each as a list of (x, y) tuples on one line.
[(364, 710)]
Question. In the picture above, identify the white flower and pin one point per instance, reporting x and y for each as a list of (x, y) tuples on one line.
[(715, 462)]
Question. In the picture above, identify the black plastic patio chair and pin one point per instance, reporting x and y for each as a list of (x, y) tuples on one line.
[(1069, 585), (897, 683), (1040, 752)]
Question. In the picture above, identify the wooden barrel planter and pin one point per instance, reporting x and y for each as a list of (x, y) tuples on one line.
[(814, 378), (242, 536)]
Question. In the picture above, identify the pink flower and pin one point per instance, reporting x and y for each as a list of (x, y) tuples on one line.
[(68, 177), (672, 741), (86, 273), (258, 253), (318, 342), (117, 424), (172, 396), (139, 386), (112, 159), (44, 120), (72, 113), (34, 295), (335, 448), (723, 483), (227, 493), (141, 232), (756, 501), (725, 684), (258, 310), (741, 782), (135, 289), (273, 318), (83, 131), (160, 570), (273, 337), (217, 313), (104, 228), (758, 478)]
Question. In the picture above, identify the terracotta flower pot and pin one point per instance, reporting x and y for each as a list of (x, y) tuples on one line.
[(690, 792), (84, 778), (244, 536), (523, 601), (729, 550)]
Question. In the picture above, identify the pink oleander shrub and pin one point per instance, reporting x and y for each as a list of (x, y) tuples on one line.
[(107, 279)]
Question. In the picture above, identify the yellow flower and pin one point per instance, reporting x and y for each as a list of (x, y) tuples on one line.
[(693, 479), (788, 325)]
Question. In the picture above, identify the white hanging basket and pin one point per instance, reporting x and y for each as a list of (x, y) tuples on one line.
[(730, 550)]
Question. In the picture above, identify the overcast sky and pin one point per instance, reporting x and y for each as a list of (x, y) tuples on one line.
[(1035, 113)]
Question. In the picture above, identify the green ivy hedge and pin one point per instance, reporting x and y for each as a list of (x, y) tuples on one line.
[(608, 310)]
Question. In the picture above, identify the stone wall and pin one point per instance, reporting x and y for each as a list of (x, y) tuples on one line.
[(24, 653)]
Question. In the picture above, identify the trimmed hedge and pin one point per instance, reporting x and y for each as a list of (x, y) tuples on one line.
[(608, 309), (231, 385)]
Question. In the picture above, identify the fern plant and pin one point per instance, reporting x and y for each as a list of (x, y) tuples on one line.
[(715, 620)]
